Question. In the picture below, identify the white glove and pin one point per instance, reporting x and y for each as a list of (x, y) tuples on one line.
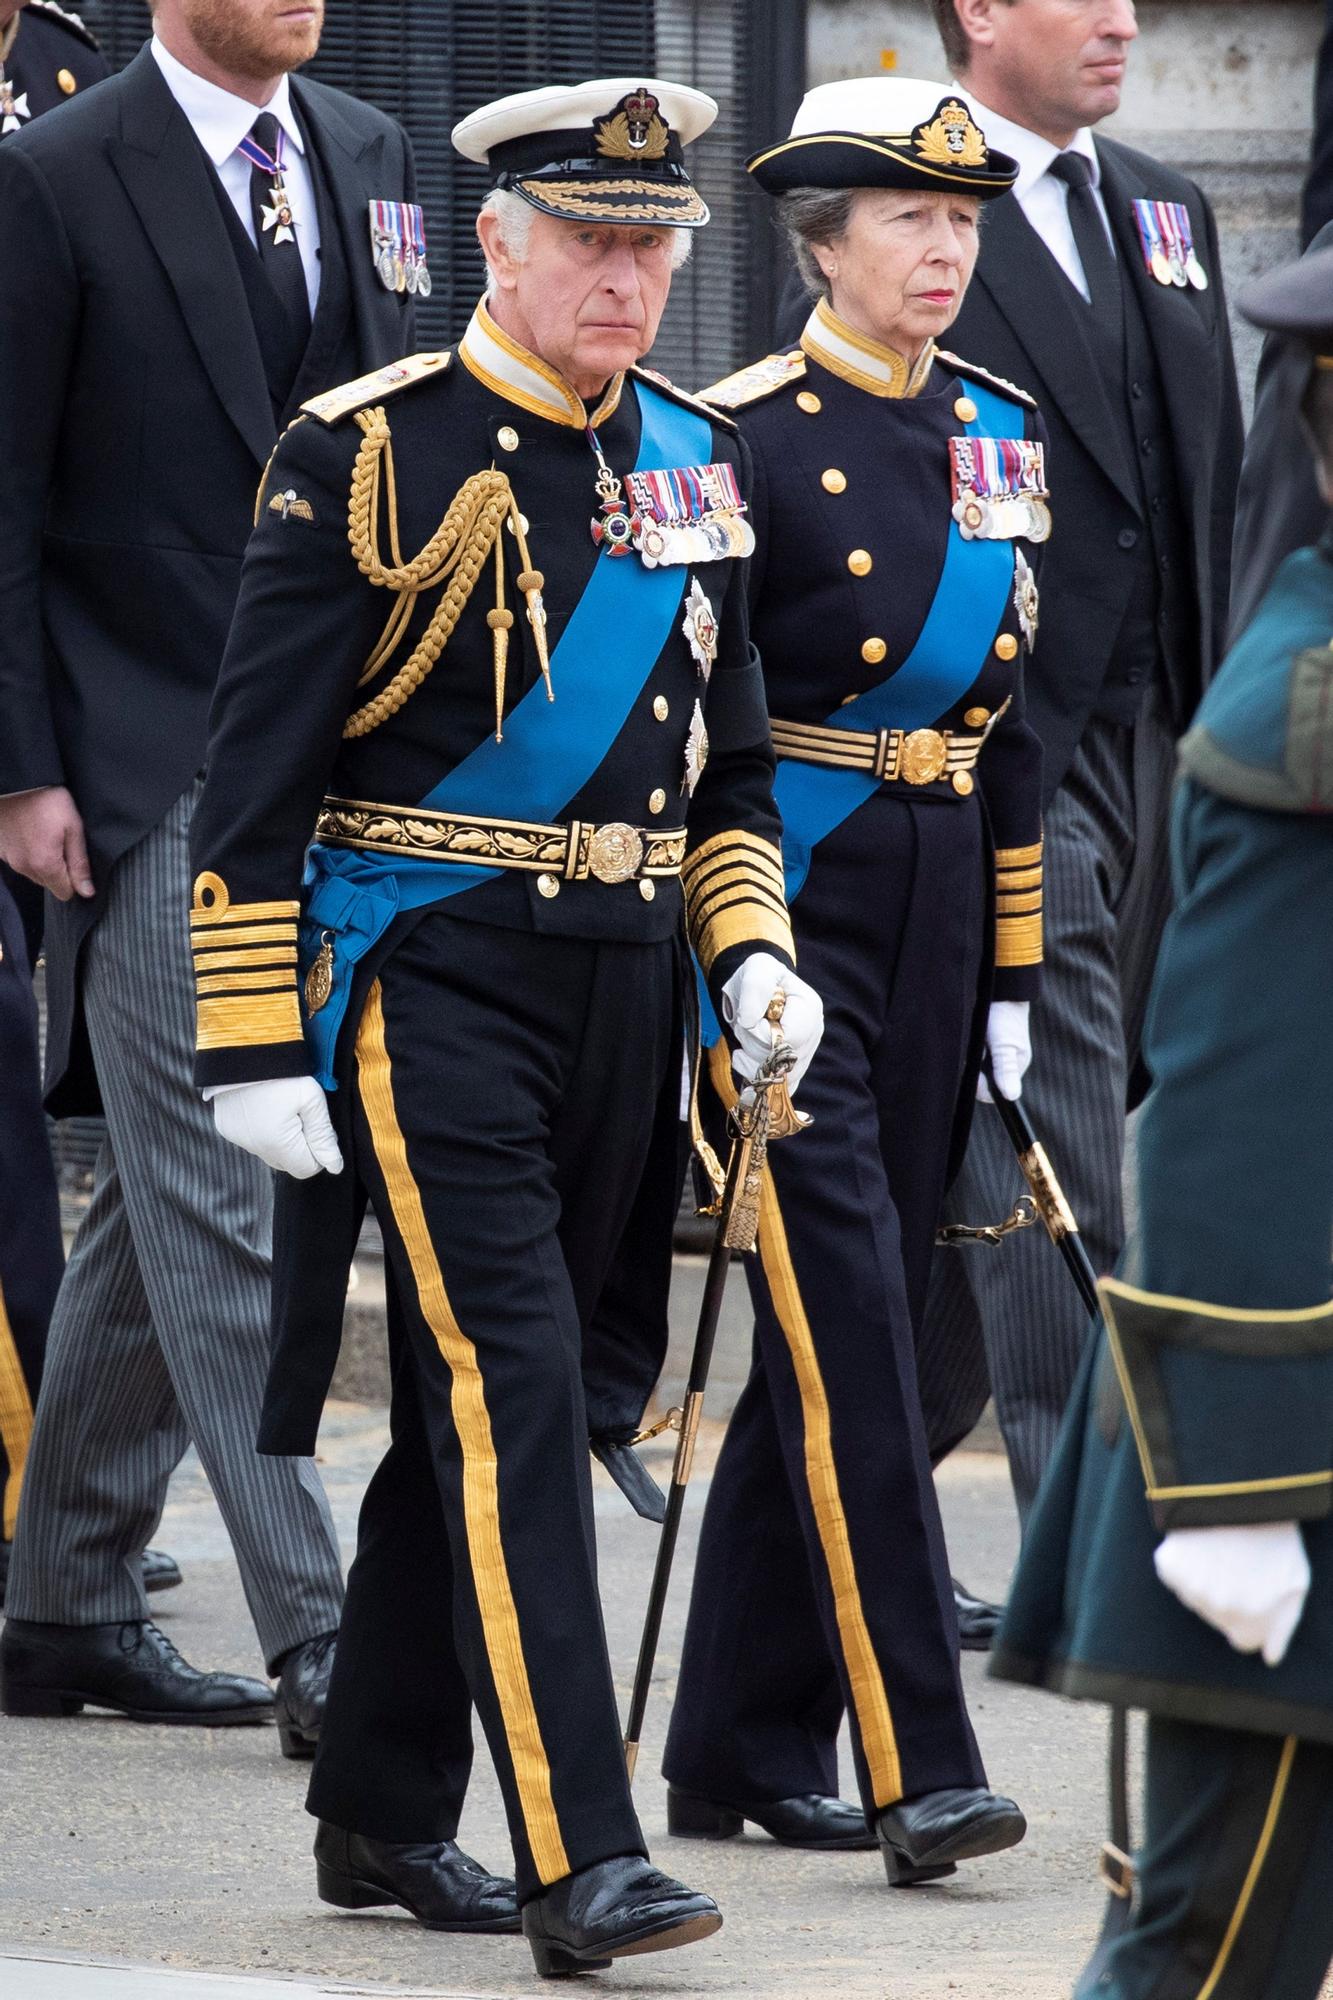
[(284, 1122), (746, 998), (1009, 1039), (1249, 1583)]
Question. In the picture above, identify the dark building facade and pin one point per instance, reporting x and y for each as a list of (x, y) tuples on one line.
[(429, 62)]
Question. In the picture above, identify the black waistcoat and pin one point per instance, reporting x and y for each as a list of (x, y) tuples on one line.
[(288, 366), (1154, 617)]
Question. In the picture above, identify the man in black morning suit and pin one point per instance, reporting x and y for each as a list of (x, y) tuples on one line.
[(1136, 380), (160, 322), (46, 55)]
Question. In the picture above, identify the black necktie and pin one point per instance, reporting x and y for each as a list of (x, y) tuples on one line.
[(281, 261), (1100, 266)]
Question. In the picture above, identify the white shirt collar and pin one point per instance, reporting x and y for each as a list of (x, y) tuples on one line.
[(221, 120), (1033, 153)]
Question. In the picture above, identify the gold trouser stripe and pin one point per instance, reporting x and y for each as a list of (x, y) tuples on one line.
[(1260, 1855), (15, 1421), (869, 1695), (481, 1493)]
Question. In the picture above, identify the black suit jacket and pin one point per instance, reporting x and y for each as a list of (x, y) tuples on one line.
[(1280, 508), (135, 421), (1021, 319)]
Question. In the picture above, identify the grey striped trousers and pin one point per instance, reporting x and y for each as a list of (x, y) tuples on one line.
[(1008, 1320), (159, 1337)]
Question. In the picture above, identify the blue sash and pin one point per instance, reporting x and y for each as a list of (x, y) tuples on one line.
[(949, 654), (599, 668)]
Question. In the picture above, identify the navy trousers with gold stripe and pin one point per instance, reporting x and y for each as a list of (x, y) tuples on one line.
[(32, 1256), (822, 1581), (1235, 1878), (506, 1087)]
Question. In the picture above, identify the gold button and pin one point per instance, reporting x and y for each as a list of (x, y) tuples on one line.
[(965, 410), (648, 889), (661, 708), (656, 800), (977, 718), (507, 438), (962, 783), (547, 885), (1006, 646), (809, 402), (860, 562), (873, 652), (433, 360), (67, 80), (833, 481)]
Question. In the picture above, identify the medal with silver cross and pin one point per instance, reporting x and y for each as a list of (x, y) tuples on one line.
[(13, 106), (277, 213)]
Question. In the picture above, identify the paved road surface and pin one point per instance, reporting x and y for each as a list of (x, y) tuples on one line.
[(188, 1851)]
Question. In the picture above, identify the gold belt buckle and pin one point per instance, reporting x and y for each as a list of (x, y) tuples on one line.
[(615, 852), (924, 757)]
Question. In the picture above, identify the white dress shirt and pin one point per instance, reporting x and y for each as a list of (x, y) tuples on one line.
[(1043, 197), (220, 122)]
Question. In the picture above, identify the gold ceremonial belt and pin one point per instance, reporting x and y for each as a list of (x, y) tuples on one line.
[(914, 757), (611, 853)]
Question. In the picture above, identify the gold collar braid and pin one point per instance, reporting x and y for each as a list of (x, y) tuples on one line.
[(453, 557)]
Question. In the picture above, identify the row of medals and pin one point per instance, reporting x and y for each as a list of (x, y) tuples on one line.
[(401, 270), (1002, 519), (1173, 269)]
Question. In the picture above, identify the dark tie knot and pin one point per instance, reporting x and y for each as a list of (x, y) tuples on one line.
[(1074, 169), (264, 132)]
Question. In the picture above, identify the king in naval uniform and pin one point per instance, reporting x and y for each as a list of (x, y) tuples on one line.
[(492, 651), (899, 506), (1180, 1556)]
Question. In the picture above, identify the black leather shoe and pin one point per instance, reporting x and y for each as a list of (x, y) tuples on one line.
[(813, 1820), (443, 1888), (160, 1572), (133, 1668), (303, 1685), (922, 1838), (615, 1909), (978, 1621)]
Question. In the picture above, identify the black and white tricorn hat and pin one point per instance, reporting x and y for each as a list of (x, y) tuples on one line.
[(884, 131), (606, 151)]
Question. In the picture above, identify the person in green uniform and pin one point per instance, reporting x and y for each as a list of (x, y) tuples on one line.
[(1180, 1559)]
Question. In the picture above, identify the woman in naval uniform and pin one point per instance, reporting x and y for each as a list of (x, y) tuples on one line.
[(899, 493)]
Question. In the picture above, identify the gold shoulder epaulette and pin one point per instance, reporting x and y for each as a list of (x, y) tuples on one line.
[(335, 404), (760, 379), (669, 388), (975, 373)]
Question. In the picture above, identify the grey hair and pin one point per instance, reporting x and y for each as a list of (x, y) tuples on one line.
[(814, 215), (515, 219)]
